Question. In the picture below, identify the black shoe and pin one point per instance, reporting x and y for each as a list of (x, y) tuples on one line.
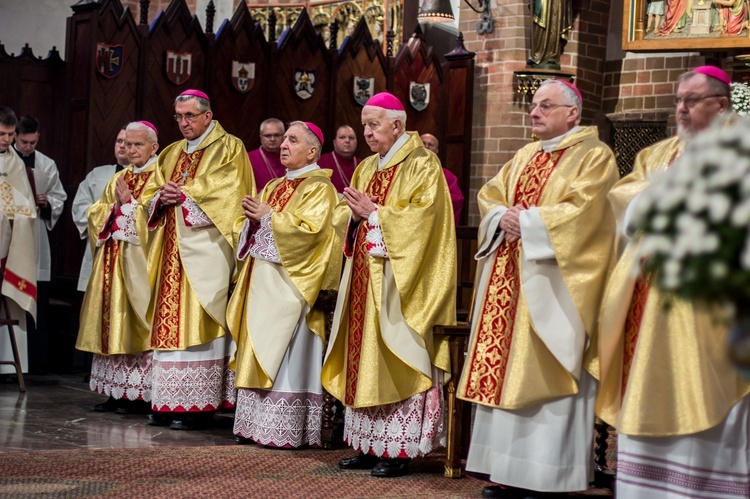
[(360, 462), (160, 418), (108, 406), (518, 493), (133, 407), (188, 421), (391, 468), (240, 440)]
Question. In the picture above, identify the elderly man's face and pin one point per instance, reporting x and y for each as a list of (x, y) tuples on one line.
[(550, 115), (271, 137), (430, 142), (345, 142), (295, 152), (192, 121), (697, 106), (121, 152), (139, 147), (379, 133), (7, 134)]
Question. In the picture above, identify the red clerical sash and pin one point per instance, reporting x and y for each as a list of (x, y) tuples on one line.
[(136, 182), (378, 189), (489, 360), (166, 326)]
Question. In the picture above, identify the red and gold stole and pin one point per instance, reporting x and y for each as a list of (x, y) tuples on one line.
[(491, 349), (378, 188), (166, 326), (282, 193), (136, 182)]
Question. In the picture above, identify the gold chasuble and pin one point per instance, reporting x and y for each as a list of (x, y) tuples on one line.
[(114, 312), (194, 262), (514, 362), (381, 349), (307, 246), (664, 371)]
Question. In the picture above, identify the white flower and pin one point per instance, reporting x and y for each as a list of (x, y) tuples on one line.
[(718, 207), (660, 222), (718, 270), (741, 214)]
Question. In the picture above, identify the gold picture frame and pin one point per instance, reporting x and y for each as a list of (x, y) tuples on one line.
[(682, 25)]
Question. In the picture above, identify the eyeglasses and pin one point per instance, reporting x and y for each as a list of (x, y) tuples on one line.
[(692, 100), (271, 135), (187, 117), (545, 107)]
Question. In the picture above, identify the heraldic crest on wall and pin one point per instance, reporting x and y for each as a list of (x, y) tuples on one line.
[(304, 83), (243, 76), (179, 66), (109, 59), (419, 95), (364, 88)]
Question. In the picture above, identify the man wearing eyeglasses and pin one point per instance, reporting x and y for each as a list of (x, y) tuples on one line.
[(193, 202), (546, 242), (266, 160), (667, 384)]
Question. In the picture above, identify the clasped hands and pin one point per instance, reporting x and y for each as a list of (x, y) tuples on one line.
[(171, 193), (510, 224), (122, 191), (359, 203), (254, 209)]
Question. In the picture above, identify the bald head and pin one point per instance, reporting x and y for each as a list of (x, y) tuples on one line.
[(430, 142)]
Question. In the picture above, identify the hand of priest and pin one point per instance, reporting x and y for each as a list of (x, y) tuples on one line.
[(510, 224), (360, 204), (254, 209), (123, 191), (41, 200), (171, 193)]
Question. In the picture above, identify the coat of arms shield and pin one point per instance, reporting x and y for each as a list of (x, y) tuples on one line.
[(419, 95), (304, 83), (179, 66), (364, 88), (108, 59), (243, 76)]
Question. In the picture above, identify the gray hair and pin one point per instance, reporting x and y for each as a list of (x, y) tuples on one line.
[(393, 114), (203, 104), (273, 121), (137, 126), (310, 137), (569, 96)]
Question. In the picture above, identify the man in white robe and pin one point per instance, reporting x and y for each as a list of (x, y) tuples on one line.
[(546, 241), (89, 191), (50, 197), (18, 242)]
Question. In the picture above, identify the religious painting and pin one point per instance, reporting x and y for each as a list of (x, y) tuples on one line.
[(108, 59), (686, 24), (179, 66)]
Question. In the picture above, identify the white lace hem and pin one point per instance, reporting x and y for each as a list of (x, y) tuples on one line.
[(190, 386), (263, 244), (194, 216), (406, 429), (375, 243), (122, 376), (279, 419)]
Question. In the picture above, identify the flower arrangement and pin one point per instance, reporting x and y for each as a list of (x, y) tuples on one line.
[(740, 98), (695, 219)]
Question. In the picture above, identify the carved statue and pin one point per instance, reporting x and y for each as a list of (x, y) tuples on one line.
[(552, 20)]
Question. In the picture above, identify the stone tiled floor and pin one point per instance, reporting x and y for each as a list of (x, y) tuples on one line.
[(56, 413)]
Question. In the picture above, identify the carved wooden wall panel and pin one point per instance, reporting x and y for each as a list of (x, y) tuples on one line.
[(301, 49), (240, 113), (417, 63), (175, 30), (359, 56)]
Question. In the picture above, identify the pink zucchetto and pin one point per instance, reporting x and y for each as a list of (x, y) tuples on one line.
[(150, 125), (195, 93), (713, 72), (316, 130), (385, 100), (573, 88)]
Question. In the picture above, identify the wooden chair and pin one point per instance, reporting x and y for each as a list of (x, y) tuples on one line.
[(459, 412), (6, 320)]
